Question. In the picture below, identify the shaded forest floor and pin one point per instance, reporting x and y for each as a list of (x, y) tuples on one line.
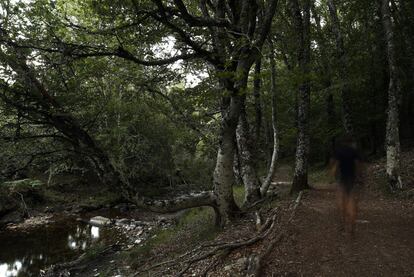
[(312, 243), (383, 244)]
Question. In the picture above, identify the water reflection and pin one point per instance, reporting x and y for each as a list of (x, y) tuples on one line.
[(10, 270), (25, 253), (95, 232)]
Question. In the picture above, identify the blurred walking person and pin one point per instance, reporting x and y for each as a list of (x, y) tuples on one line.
[(346, 166)]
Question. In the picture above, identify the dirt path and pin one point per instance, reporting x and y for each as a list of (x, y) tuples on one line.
[(382, 246)]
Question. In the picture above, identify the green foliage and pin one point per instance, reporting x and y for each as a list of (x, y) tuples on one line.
[(157, 128)]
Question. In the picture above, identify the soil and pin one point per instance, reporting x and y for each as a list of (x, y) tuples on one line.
[(383, 244)]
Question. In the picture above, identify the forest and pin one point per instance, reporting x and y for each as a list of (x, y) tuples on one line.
[(206, 138)]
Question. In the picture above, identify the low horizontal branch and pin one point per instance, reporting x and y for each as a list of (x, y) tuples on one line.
[(192, 200)]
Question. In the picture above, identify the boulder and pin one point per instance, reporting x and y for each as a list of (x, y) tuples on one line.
[(100, 221)]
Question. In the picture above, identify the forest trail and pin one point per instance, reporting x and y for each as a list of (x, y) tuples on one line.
[(383, 244)]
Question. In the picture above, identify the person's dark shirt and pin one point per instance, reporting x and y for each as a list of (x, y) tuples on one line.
[(346, 157)]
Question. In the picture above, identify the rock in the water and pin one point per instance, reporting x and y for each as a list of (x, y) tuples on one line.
[(100, 221), (124, 221)]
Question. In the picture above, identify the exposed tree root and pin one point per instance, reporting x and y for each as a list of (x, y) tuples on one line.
[(256, 262), (217, 251)]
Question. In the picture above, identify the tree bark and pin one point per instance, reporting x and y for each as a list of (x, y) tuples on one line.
[(223, 176), (394, 86), (347, 119), (257, 99), (302, 28), (247, 165), (275, 151)]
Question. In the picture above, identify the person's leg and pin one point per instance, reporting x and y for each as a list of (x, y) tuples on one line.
[(353, 209), (341, 203)]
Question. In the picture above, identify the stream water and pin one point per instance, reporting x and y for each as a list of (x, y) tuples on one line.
[(25, 252)]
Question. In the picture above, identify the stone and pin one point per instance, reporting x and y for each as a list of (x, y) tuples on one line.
[(100, 221), (139, 232), (124, 221)]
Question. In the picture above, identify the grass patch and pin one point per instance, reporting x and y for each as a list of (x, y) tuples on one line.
[(197, 225)]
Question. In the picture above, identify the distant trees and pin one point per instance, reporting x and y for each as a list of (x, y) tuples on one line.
[(343, 71)]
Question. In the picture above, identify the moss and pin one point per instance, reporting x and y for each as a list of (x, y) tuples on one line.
[(238, 193)]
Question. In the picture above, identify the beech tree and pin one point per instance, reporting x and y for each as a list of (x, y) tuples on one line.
[(301, 19), (394, 88)]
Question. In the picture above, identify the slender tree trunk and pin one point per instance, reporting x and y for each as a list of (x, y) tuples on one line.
[(275, 152), (392, 129), (347, 120), (248, 171), (302, 27), (257, 99)]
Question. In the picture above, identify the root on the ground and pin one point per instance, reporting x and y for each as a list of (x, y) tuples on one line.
[(273, 230)]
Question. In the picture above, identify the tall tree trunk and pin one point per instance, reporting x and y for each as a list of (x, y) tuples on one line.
[(257, 99), (392, 130), (302, 28), (248, 171), (275, 152), (347, 120), (223, 177)]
